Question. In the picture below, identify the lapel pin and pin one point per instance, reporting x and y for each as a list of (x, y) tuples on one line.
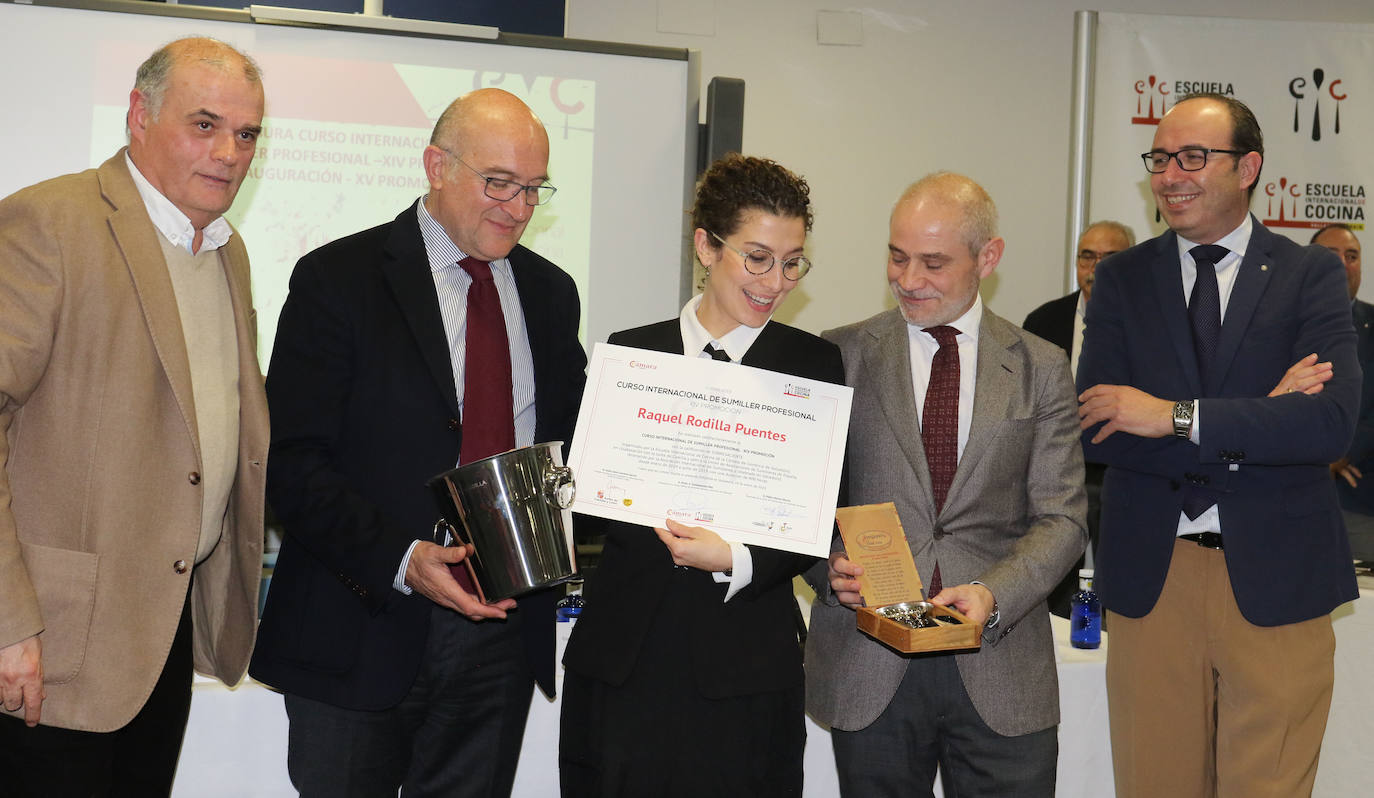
[(1264, 267)]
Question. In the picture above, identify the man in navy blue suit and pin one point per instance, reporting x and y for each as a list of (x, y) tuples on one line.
[(1356, 492), (1223, 550)]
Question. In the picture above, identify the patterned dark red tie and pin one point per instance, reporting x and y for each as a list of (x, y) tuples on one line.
[(940, 422), (488, 414)]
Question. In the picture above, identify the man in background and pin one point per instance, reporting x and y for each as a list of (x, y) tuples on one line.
[(403, 351), (967, 423), (1357, 495), (1060, 321), (134, 437)]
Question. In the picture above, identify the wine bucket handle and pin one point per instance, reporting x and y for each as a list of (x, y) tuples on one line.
[(559, 487)]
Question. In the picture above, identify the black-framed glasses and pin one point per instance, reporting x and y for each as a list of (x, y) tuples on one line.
[(1088, 257), (503, 190), (1190, 159), (760, 261)]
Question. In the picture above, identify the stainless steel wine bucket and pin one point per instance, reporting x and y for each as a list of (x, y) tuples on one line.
[(513, 509)]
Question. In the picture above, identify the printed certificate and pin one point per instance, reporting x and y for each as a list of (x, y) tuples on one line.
[(751, 454)]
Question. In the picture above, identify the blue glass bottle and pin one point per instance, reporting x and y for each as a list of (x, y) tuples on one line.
[(569, 608), (1085, 620)]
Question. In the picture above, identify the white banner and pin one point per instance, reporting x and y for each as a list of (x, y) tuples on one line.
[(1311, 86)]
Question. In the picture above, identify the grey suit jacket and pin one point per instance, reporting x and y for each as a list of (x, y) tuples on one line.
[(1014, 520)]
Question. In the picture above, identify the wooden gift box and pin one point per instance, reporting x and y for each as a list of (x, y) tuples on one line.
[(943, 637), (874, 538)]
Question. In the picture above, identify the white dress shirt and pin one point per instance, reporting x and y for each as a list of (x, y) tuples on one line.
[(174, 225), (735, 344), (922, 347), (1237, 240)]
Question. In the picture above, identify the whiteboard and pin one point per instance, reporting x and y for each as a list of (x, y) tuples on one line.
[(348, 113)]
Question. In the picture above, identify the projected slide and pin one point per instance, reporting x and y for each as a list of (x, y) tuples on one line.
[(340, 152), (348, 115)]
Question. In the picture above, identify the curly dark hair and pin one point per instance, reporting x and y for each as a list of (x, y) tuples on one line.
[(739, 183)]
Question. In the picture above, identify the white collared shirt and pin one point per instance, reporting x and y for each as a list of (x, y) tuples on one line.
[(174, 225), (736, 344), (922, 347), (1227, 270), (695, 337), (451, 283)]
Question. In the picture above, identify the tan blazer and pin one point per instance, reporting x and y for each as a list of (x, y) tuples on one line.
[(100, 495)]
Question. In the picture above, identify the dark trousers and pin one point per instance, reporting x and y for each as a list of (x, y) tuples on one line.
[(137, 761), (931, 722), (456, 733)]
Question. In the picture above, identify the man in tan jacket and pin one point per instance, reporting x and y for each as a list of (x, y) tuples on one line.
[(134, 437)]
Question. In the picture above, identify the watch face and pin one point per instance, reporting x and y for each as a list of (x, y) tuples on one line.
[(1183, 418)]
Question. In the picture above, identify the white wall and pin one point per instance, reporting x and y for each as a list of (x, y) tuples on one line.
[(976, 86)]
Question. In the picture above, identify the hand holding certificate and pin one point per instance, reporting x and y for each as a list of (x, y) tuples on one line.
[(752, 454)]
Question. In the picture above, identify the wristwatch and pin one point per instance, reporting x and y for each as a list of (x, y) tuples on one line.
[(996, 614), (1183, 419)]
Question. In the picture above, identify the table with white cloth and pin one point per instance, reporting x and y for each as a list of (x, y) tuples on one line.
[(236, 740)]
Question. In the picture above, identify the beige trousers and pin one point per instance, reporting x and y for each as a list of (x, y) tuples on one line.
[(1203, 703)]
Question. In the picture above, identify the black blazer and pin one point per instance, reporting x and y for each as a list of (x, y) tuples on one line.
[(743, 646), (1265, 459), (1053, 321), (1361, 453), (364, 411)]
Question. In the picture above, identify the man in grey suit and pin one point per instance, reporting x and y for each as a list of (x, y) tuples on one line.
[(998, 516)]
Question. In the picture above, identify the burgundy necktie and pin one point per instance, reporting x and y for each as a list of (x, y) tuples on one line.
[(488, 414), (488, 417), (940, 423)]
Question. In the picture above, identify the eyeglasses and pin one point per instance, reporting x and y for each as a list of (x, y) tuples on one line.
[(503, 190), (1088, 257), (760, 261), (1190, 159)]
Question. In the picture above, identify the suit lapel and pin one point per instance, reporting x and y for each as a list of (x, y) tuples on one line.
[(408, 275), (890, 353), (1251, 281), (1166, 272), (994, 383), (767, 351), (136, 236)]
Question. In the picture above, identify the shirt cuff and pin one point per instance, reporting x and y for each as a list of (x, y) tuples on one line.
[(400, 581), (741, 571), (1195, 434)]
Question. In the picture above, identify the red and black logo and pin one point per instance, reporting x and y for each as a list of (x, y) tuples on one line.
[(1300, 90), (1154, 96), (1295, 204)]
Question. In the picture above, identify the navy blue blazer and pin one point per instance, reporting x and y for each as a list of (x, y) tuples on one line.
[(1264, 459), (364, 412), (744, 646)]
